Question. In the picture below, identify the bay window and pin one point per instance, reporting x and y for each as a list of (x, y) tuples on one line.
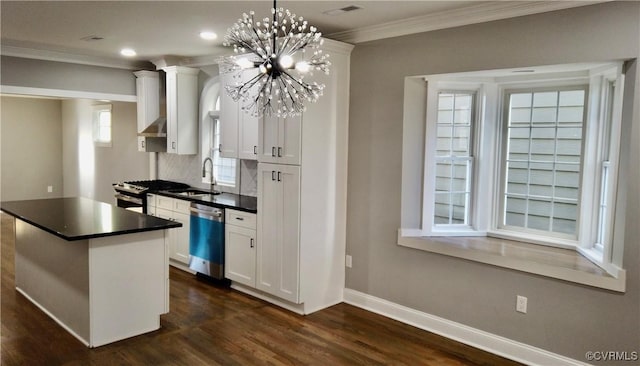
[(524, 155)]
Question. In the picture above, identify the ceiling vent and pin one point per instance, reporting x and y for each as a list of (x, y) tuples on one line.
[(346, 9), (92, 38)]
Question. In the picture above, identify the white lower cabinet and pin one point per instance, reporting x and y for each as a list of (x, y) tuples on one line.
[(240, 247), (278, 255), (177, 210)]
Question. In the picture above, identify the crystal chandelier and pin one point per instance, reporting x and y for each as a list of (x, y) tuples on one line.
[(283, 50)]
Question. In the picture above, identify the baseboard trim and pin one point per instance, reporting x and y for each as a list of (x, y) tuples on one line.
[(495, 344)]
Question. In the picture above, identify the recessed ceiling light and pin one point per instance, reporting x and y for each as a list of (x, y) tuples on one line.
[(208, 35), (128, 52)]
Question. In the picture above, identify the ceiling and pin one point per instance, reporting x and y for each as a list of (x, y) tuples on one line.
[(61, 30)]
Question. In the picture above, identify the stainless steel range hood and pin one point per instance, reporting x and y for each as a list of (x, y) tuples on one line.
[(157, 128)]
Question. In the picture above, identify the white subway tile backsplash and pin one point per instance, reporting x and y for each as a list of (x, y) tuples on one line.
[(188, 169)]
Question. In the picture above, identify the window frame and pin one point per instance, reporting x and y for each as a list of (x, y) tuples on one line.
[(435, 87), (217, 161), (490, 98), (97, 109), (540, 237)]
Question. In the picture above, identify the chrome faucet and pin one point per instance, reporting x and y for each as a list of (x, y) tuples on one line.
[(204, 172)]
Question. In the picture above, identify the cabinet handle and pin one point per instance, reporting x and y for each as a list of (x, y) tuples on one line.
[(279, 152), (273, 175), (251, 243), (219, 147), (279, 176), (173, 144), (240, 218), (273, 151), (255, 150), (142, 144)]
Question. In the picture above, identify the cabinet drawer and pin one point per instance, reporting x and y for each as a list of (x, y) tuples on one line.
[(164, 202), (240, 218), (164, 214), (181, 206)]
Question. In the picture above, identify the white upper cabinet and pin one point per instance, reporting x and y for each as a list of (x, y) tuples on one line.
[(229, 113), (147, 91), (148, 109), (238, 129), (182, 110), (280, 140)]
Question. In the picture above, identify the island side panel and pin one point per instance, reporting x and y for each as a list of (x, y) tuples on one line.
[(128, 285), (54, 274)]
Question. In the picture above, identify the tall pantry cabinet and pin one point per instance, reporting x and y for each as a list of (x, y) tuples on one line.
[(302, 188)]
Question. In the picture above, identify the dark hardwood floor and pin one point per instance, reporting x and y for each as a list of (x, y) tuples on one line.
[(210, 325)]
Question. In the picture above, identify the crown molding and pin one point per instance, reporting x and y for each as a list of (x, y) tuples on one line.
[(58, 56), (472, 14)]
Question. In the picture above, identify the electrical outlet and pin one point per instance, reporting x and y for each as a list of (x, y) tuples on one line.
[(521, 304), (348, 261), (49, 189)]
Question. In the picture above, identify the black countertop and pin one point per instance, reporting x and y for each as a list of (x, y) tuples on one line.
[(79, 218), (222, 200)]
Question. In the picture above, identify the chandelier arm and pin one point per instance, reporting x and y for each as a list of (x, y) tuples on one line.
[(302, 84), (244, 88), (298, 46), (284, 87), (257, 39)]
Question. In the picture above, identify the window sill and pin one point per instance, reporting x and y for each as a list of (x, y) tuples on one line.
[(563, 264)]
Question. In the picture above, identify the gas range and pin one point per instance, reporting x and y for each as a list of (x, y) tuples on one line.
[(133, 194), (143, 186)]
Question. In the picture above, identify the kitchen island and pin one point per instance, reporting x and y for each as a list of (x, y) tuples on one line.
[(98, 270)]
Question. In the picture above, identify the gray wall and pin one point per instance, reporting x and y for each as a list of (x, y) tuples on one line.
[(563, 318), (30, 148), (89, 171), (59, 75)]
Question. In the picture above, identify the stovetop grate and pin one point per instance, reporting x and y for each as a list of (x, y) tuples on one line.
[(158, 184)]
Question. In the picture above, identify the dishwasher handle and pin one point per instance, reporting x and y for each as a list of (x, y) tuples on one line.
[(210, 213)]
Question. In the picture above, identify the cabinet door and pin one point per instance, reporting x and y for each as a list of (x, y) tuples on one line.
[(278, 254), (280, 140), (151, 204), (289, 227), (240, 255), (142, 144), (170, 238), (269, 195), (248, 137), (172, 113), (182, 110), (248, 123), (181, 252), (228, 124), (148, 103), (268, 139), (289, 140)]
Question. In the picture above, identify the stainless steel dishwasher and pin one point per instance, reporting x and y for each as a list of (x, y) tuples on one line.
[(206, 240)]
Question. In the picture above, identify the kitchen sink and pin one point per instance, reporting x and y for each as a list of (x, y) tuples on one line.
[(195, 194)]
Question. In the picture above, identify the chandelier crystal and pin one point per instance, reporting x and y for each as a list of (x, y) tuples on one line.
[(282, 51)]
